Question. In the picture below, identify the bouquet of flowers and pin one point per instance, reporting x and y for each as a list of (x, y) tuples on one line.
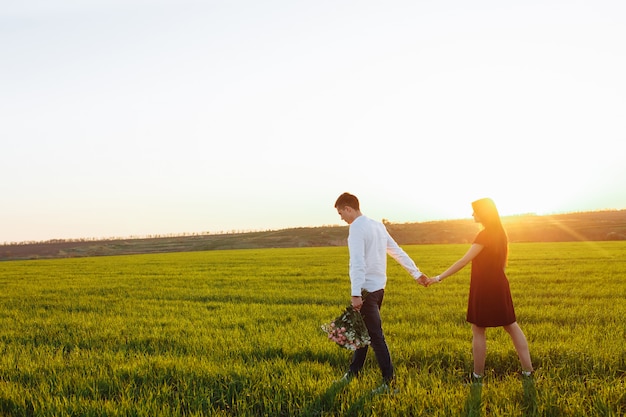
[(348, 330)]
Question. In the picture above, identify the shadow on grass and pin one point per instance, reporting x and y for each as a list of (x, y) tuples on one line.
[(473, 404), (356, 409), (529, 398), (327, 403)]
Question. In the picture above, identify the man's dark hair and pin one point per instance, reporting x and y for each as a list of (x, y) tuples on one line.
[(347, 199)]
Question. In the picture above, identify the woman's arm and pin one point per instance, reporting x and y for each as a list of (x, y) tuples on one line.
[(460, 264)]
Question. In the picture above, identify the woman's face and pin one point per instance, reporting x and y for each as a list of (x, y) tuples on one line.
[(476, 218)]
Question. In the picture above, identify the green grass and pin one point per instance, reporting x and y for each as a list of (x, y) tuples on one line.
[(237, 333)]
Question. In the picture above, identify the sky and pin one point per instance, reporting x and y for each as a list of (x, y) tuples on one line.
[(132, 118)]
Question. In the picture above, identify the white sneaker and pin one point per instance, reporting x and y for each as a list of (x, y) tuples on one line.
[(385, 388), (345, 379)]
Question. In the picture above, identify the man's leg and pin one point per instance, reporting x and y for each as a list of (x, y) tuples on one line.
[(371, 315), (358, 360)]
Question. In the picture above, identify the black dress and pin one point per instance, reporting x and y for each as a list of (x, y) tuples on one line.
[(490, 303)]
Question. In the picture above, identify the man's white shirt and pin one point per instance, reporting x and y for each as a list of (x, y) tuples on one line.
[(369, 243)]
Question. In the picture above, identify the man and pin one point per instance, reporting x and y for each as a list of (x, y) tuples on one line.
[(368, 244)]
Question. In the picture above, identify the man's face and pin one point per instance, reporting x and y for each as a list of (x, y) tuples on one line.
[(346, 213)]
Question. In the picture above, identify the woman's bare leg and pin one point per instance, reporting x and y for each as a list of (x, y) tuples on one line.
[(521, 345), (479, 349)]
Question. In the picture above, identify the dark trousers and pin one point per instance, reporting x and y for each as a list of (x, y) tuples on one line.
[(371, 316)]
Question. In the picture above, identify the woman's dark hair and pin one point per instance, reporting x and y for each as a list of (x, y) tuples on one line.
[(488, 215)]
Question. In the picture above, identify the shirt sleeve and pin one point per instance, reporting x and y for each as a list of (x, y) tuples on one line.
[(356, 246), (397, 253)]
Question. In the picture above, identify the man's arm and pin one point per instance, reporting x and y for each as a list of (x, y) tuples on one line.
[(400, 256), (356, 247)]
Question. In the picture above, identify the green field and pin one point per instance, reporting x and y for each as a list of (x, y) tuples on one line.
[(237, 333)]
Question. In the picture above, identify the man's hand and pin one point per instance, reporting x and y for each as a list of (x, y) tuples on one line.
[(357, 302), (424, 281)]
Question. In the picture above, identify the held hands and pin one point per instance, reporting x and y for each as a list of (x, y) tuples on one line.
[(423, 280), (432, 281), (426, 281)]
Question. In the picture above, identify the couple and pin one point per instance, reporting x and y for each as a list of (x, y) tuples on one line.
[(490, 303)]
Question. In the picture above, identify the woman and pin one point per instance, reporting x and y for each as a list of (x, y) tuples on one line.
[(490, 303)]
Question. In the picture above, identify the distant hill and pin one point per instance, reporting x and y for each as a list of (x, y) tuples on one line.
[(584, 226)]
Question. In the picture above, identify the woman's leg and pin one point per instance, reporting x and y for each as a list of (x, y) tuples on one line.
[(479, 349), (521, 345)]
